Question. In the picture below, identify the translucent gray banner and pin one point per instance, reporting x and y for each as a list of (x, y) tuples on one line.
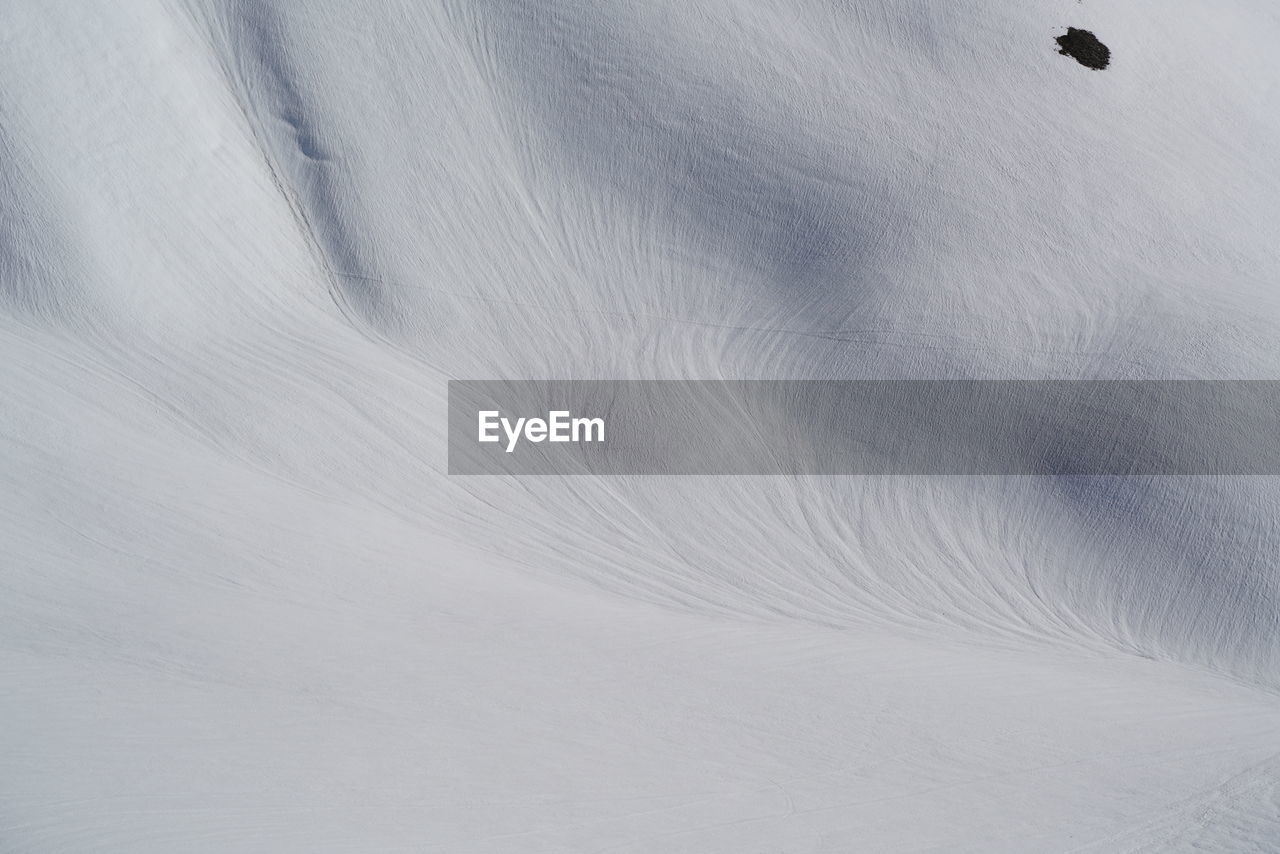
[(770, 427)]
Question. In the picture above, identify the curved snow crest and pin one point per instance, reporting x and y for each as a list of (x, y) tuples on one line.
[(247, 243), (823, 210)]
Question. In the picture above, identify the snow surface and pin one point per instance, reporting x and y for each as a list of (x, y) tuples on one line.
[(245, 243)]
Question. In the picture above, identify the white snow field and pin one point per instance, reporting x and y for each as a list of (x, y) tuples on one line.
[(244, 245)]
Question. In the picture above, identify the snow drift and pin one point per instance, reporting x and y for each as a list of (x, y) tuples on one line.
[(244, 245)]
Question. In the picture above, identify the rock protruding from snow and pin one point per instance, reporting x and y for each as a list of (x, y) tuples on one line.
[(1084, 47)]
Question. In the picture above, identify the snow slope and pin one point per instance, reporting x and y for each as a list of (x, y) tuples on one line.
[(243, 246)]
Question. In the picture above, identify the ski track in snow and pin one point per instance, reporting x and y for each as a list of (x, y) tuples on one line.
[(245, 244)]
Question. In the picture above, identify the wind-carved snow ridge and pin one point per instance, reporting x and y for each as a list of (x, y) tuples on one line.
[(31, 235), (721, 163), (254, 41), (632, 113), (707, 152), (244, 245)]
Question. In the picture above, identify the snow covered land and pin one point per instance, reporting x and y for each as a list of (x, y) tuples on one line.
[(245, 244)]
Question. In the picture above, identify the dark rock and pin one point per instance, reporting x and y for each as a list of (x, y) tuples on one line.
[(1084, 47)]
